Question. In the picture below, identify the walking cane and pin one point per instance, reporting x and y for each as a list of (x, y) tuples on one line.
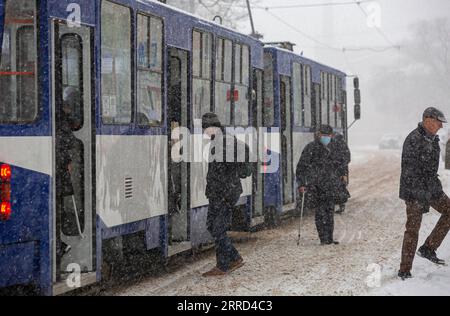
[(77, 218), (301, 218)]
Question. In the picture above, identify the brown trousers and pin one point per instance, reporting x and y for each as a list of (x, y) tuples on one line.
[(414, 212)]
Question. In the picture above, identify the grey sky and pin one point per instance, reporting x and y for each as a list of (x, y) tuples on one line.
[(346, 26)]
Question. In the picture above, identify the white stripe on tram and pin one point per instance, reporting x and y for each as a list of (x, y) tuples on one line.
[(30, 153)]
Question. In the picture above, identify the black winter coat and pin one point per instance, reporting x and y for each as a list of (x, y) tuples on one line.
[(318, 171), (342, 154), (65, 141), (224, 178), (420, 164)]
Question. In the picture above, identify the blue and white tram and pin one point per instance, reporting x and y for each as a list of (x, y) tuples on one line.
[(299, 95), (127, 73)]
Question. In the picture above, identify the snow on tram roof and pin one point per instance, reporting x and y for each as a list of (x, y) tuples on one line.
[(199, 18)]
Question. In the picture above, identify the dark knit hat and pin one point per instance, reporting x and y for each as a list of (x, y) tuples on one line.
[(210, 120)]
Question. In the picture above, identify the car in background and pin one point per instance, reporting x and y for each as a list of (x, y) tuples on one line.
[(390, 141)]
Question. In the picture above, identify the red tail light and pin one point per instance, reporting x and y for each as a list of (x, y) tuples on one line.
[(5, 192), (5, 172), (5, 211)]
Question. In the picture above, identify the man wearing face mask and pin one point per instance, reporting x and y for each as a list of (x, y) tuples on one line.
[(316, 173), (421, 189)]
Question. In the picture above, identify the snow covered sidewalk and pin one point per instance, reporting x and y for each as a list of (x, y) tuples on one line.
[(428, 279), (366, 262)]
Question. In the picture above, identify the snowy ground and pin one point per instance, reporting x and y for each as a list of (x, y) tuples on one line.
[(365, 263)]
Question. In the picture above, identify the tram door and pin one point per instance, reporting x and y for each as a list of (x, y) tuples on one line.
[(286, 141), (73, 108), (178, 189), (258, 196)]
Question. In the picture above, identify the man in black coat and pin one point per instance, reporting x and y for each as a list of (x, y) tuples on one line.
[(421, 188), (343, 157), (223, 191), (65, 143), (317, 174)]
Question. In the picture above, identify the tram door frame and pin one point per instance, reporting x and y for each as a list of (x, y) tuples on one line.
[(179, 237), (287, 171), (258, 117), (82, 257)]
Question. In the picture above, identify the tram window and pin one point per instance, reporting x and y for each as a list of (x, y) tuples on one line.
[(18, 78), (339, 102), (116, 63), (307, 84), (307, 108), (224, 78), (322, 84), (227, 65), (196, 53), (156, 43), (149, 84), (333, 110), (237, 64), (201, 97), (297, 94), (202, 67), (242, 99), (202, 55), (219, 59), (269, 112), (223, 102), (72, 62), (246, 65), (207, 56)]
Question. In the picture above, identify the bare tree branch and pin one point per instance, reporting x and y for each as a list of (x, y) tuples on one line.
[(233, 12)]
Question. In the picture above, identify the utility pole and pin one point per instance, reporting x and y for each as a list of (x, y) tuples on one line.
[(250, 15)]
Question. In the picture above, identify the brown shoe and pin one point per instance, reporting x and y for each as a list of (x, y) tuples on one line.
[(236, 265), (214, 272)]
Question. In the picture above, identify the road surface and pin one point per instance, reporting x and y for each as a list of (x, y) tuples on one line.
[(365, 263)]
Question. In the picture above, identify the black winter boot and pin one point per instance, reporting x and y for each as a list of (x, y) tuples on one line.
[(404, 275), (429, 254)]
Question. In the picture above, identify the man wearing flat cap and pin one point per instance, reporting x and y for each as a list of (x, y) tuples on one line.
[(421, 189), (317, 175)]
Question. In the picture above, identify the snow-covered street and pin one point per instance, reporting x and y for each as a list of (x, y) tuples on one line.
[(365, 263)]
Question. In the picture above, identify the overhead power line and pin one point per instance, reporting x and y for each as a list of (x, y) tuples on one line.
[(377, 28), (328, 4), (342, 49), (301, 32)]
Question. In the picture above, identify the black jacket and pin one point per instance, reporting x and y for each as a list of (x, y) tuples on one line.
[(65, 142), (318, 171), (224, 178), (420, 164), (447, 155), (342, 154)]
